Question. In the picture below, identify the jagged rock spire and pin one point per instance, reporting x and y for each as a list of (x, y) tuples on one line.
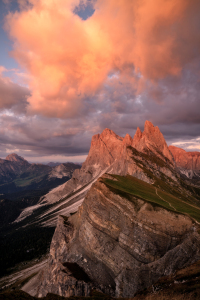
[(151, 138)]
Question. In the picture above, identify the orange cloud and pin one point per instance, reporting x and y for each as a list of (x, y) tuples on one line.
[(69, 59)]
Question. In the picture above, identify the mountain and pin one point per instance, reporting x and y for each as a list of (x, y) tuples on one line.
[(123, 238), (16, 158), (11, 167), (188, 163), (153, 140), (127, 218), (186, 160), (108, 153), (22, 184), (114, 154), (17, 175), (63, 170)]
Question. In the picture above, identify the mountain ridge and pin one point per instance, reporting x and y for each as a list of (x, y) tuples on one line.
[(116, 155), (109, 150), (131, 182)]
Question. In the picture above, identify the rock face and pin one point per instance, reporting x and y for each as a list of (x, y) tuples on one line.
[(117, 245), (63, 170), (112, 153), (152, 139), (186, 160)]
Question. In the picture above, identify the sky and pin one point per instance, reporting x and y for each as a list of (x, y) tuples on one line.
[(71, 68)]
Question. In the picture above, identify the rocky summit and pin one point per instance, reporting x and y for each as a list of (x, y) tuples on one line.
[(151, 139), (117, 155), (16, 158), (139, 220)]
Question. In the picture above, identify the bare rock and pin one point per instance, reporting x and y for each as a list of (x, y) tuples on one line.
[(186, 160), (117, 245), (152, 139), (112, 154)]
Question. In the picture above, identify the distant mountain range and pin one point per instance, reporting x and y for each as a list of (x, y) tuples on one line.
[(17, 174), (22, 184)]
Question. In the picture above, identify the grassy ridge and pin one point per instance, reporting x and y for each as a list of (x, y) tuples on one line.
[(164, 182), (136, 187)]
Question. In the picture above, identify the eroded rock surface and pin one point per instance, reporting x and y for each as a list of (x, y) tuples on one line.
[(152, 139), (118, 245), (186, 160)]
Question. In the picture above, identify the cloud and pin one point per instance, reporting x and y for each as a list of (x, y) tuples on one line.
[(36, 136), (69, 59), (12, 95)]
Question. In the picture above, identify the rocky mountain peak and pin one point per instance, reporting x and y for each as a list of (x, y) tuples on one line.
[(148, 126), (110, 153), (15, 158), (128, 140), (109, 134), (137, 137), (153, 134), (151, 138), (105, 148)]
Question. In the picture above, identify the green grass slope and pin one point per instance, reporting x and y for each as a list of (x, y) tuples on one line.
[(129, 185)]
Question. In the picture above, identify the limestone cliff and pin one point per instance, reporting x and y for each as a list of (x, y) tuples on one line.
[(117, 244), (151, 139), (186, 160)]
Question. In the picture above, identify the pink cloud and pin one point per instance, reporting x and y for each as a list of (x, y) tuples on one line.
[(69, 59)]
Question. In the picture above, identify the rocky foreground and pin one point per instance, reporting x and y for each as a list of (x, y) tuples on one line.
[(117, 245)]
